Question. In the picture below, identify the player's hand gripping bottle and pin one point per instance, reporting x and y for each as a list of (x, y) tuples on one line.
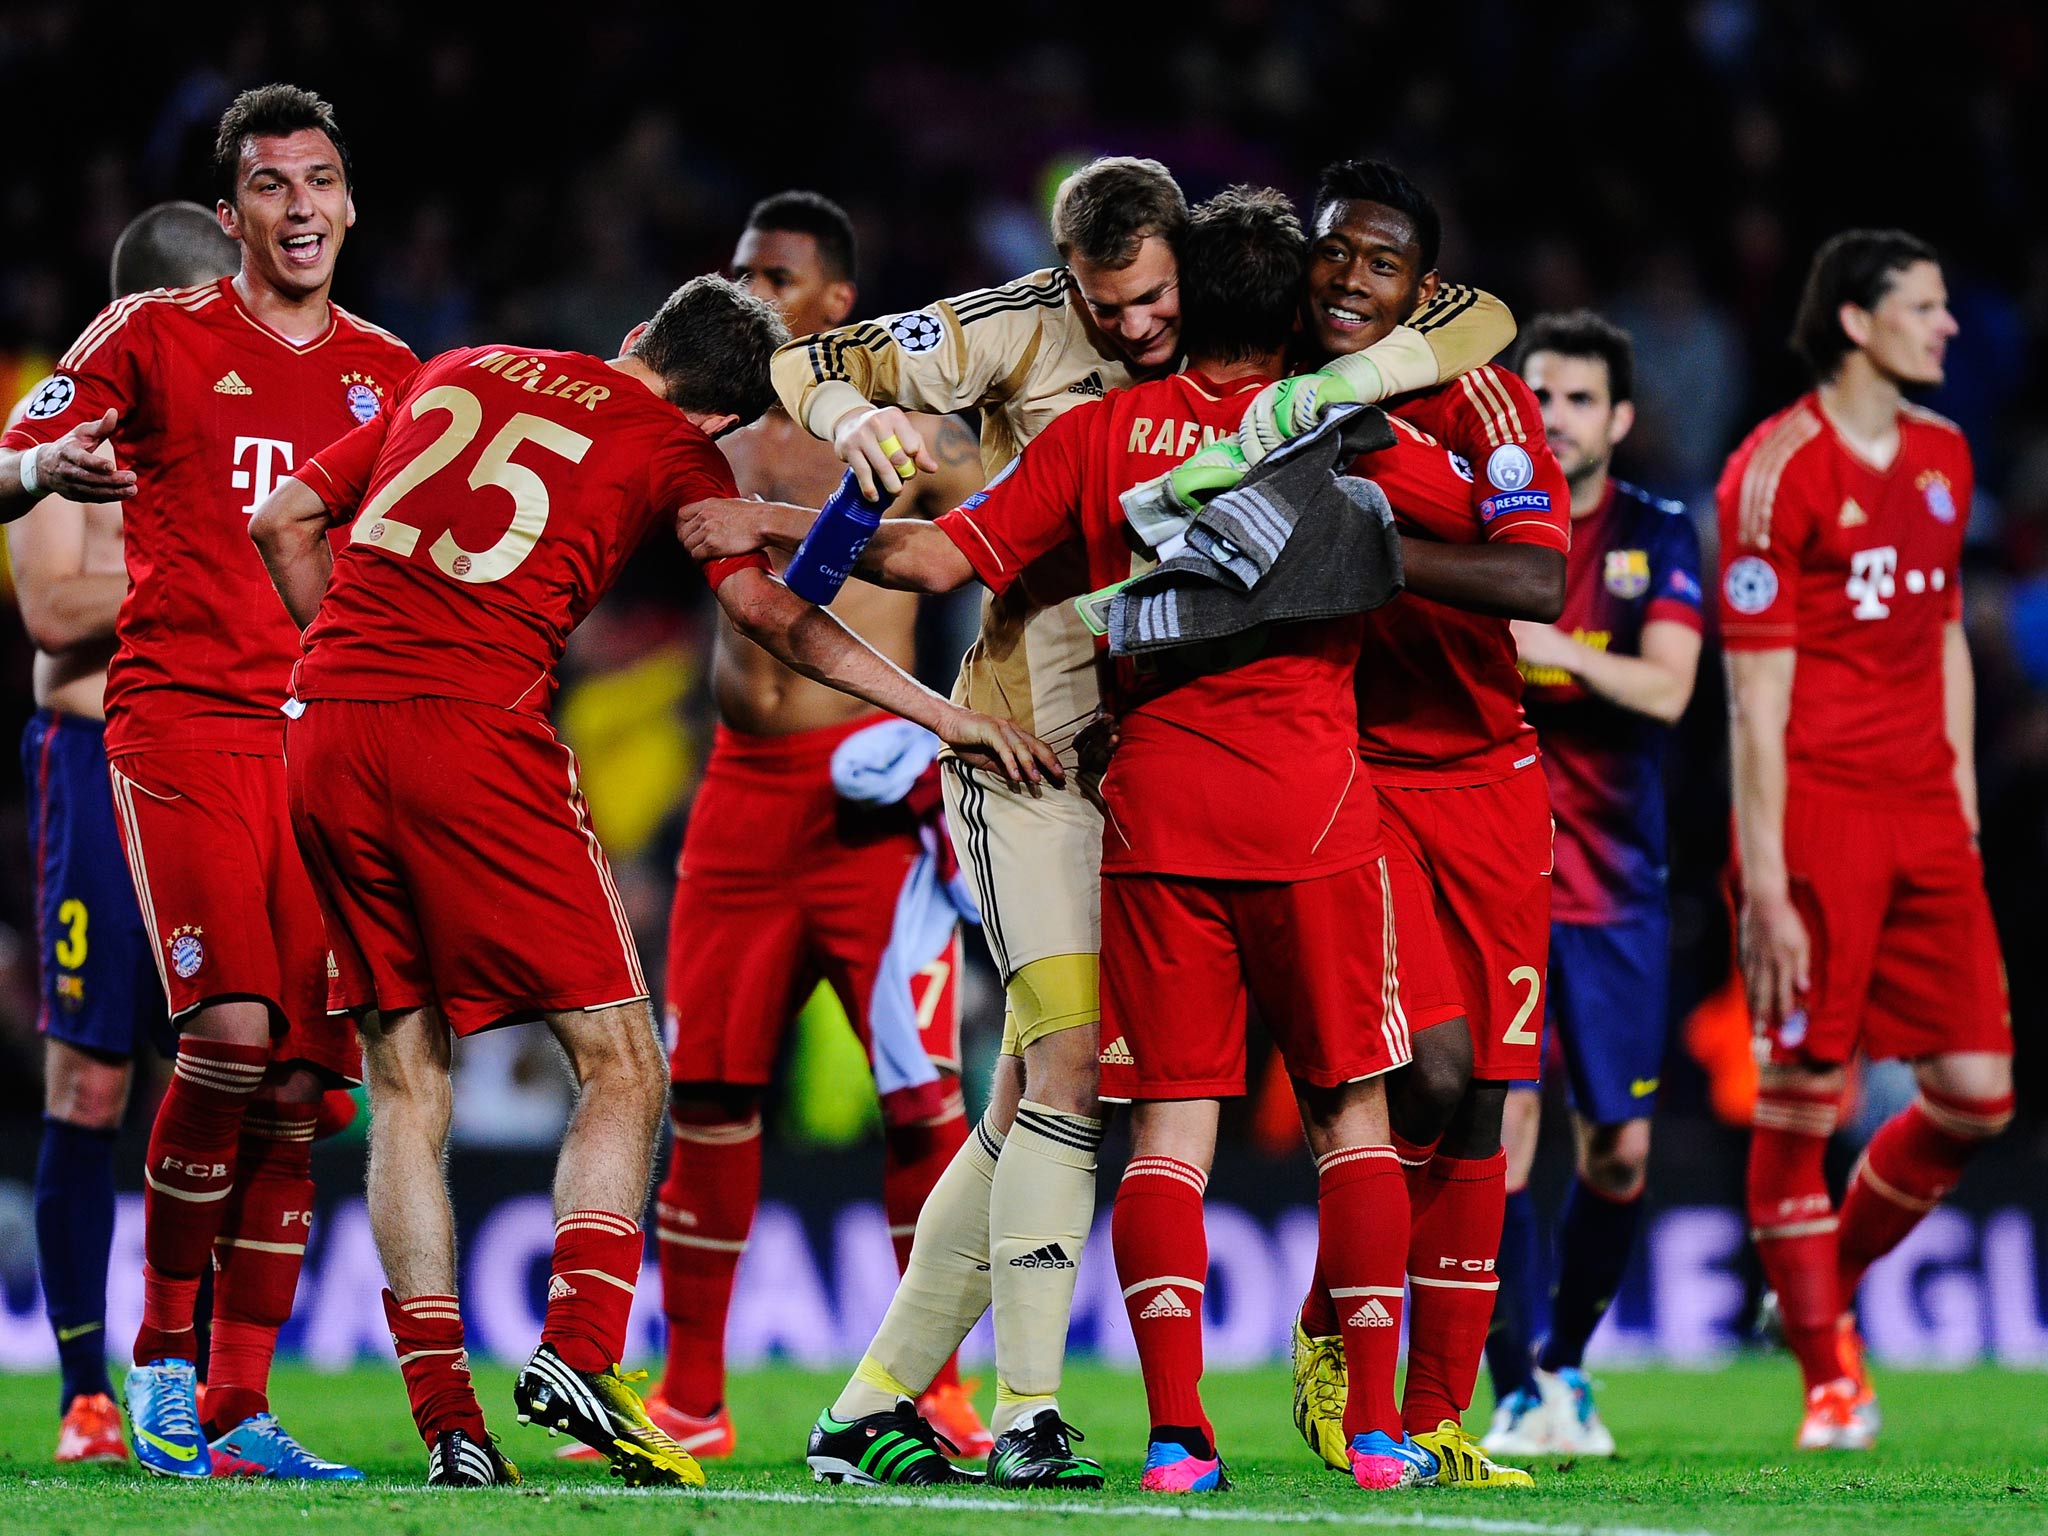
[(824, 560)]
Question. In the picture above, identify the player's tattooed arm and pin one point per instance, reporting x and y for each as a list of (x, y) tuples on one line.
[(72, 467), (905, 554), (958, 476), (1511, 581), (290, 530), (809, 640), (1771, 938)]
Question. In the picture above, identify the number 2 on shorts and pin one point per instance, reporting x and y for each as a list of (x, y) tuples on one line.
[(1521, 1031)]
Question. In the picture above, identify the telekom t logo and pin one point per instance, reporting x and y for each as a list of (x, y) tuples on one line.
[(1872, 575), (273, 463)]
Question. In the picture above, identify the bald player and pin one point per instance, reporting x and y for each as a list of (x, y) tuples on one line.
[(97, 990), (782, 882)]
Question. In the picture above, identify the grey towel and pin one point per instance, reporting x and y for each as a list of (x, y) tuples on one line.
[(1295, 540)]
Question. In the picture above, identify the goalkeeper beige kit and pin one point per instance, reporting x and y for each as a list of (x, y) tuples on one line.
[(1020, 354)]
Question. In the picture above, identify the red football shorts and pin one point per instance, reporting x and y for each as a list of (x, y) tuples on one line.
[(782, 884), (1904, 958), (225, 898), (1470, 870), (1181, 955), (454, 857)]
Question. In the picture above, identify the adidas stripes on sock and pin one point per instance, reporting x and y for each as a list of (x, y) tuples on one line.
[(1041, 1204)]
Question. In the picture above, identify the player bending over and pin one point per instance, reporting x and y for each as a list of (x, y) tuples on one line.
[(211, 394), (1864, 919), (1021, 1191), (782, 881), (1240, 859), (99, 1001), (441, 816), (1604, 688)]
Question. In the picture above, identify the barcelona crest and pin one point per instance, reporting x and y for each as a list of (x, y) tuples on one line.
[(1628, 572)]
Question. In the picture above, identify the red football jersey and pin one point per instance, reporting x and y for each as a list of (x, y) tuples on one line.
[(1862, 573), (216, 409), (489, 509), (1247, 774), (1439, 695)]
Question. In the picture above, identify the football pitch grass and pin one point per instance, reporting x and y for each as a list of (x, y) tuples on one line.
[(1705, 1452)]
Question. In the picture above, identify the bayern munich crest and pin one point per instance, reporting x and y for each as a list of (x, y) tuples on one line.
[(1941, 501), (187, 953), (362, 402), (918, 331)]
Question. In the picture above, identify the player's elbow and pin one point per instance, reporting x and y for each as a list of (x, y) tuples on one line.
[(938, 566)]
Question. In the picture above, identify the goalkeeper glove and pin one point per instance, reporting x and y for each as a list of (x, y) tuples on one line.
[(1283, 411)]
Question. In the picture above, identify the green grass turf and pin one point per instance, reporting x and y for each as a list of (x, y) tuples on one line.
[(1963, 1452)]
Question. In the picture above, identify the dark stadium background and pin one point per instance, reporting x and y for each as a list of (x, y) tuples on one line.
[(548, 179)]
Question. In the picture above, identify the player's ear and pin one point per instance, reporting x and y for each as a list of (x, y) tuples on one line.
[(351, 224), (633, 337), (230, 223), (1855, 322), (839, 301), (1426, 289), (713, 424), (1621, 423)]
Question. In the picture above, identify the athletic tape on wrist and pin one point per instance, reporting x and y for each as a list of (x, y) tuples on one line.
[(31, 482)]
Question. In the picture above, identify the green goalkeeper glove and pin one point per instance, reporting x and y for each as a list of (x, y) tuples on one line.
[(1283, 411)]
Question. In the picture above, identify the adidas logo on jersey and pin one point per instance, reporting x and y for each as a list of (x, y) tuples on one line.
[(1117, 1054), (1092, 385), (558, 1288), (231, 384), (1371, 1315), (1851, 515), (1166, 1304), (1051, 1256)]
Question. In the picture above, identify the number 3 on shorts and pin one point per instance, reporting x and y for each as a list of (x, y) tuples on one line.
[(1521, 1031)]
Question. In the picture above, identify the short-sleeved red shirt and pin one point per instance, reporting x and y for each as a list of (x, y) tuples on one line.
[(489, 510), (1439, 695), (215, 410), (1251, 773), (1862, 574)]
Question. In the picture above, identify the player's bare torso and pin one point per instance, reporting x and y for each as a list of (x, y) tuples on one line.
[(777, 460)]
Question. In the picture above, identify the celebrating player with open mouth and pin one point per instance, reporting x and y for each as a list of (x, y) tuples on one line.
[(442, 821), (211, 395)]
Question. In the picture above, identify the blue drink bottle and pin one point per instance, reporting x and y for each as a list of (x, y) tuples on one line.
[(824, 560)]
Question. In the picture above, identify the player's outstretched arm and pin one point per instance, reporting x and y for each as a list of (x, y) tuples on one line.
[(903, 554), (1772, 939), (1510, 581), (290, 530), (73, 467), (807, 639)]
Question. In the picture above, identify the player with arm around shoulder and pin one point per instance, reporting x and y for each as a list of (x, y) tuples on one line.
[(441, 817), (1864, 922), (1603, 688)]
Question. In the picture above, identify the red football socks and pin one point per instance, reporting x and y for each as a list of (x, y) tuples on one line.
[(1362, 1226), (913, 1157), (1162, 1263), (257, 1255), (703, 1212), (427, 1333), (1793, 1221), (186, 1180), (590, 1289), (1318, 1312), (1452, 1251), (1912, 1163)]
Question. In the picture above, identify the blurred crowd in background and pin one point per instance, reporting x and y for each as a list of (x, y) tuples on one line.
[(1673, 166)]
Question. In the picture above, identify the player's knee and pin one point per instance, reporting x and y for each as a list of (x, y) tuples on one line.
[(1427, 1093), (1975, 1086), (84, 1090), (1615, 1159), (701, 1104), (1474, 1131), (1062, 1071)]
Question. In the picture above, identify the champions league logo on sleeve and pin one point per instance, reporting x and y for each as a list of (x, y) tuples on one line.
[(1509, 467), (50, 397), (1751, 585), (187, 953), (918, 331)]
